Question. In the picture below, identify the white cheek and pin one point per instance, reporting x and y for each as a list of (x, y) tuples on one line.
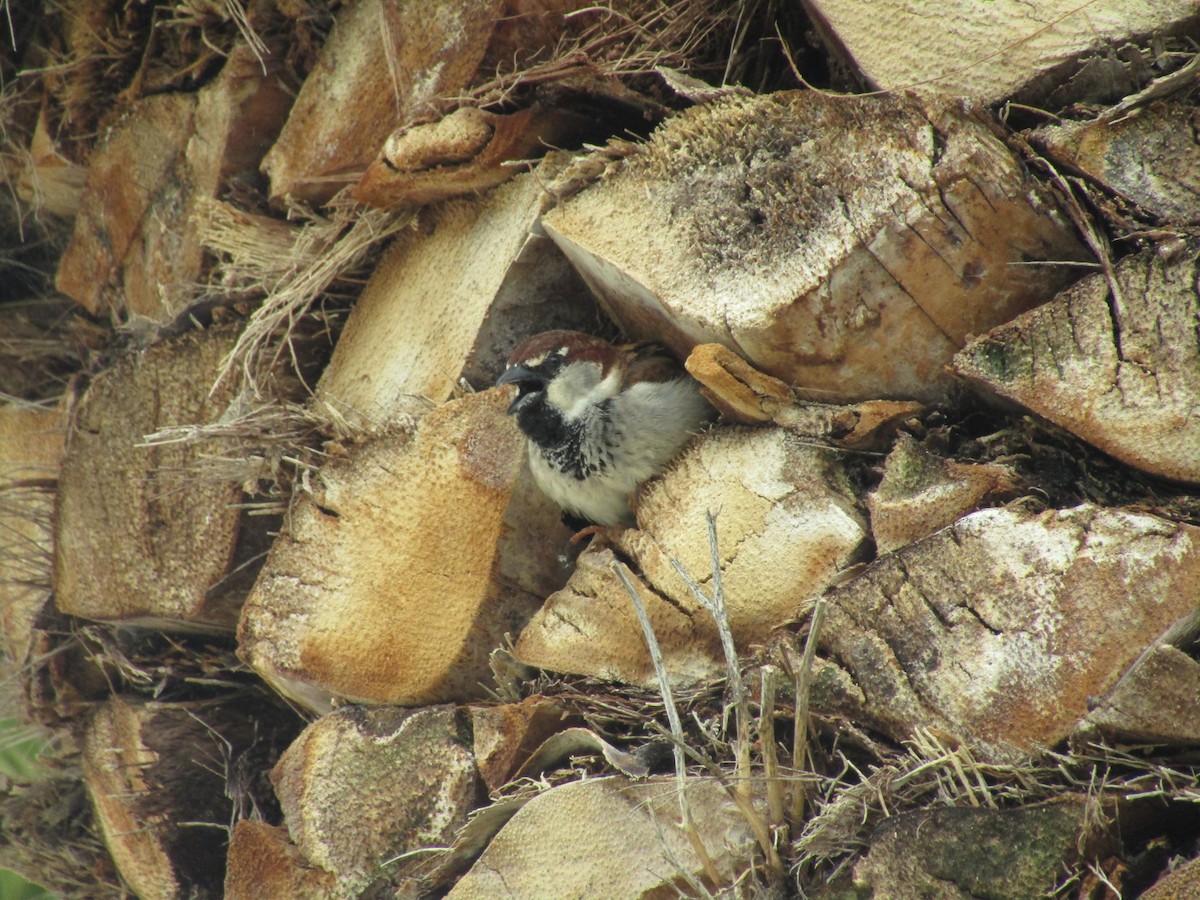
[(577, 389)]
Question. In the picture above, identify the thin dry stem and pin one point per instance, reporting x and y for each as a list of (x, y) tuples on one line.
[(1181, 79), (770, 676), (745, 806), (664, 686), (715, 605), (1096, 242), (802, 686)]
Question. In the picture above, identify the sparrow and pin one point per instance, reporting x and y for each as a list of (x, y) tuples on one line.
[(600, 419)]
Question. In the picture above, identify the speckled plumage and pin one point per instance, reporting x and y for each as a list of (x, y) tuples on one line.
[(599, 418)]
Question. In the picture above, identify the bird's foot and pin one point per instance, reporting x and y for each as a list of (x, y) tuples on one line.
[(608, 532)]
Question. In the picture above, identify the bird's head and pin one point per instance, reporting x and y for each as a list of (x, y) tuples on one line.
[(566, 371)]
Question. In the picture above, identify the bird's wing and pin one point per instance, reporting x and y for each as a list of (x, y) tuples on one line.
[(647, 362)]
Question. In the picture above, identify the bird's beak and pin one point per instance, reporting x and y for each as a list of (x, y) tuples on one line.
[(526, 380)]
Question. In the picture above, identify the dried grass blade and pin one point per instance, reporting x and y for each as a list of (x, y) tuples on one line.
[(802, 686), (664, 686)]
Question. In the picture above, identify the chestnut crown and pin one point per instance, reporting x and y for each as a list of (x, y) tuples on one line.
[(566, 368)]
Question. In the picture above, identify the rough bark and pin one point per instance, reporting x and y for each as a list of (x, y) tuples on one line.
[(1000, 50), (996, 632), (875, 223), (1115, 361), (140, 533)]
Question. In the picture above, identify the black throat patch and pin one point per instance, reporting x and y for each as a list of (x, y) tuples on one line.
[(579, 448)]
